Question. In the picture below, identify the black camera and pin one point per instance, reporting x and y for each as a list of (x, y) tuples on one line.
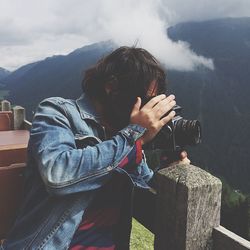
[(175, 135)]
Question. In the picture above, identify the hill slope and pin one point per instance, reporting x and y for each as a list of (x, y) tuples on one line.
[(54, 76), (219, 98), (4, 73)]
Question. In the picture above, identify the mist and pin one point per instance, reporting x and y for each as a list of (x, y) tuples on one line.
[(31, 30)]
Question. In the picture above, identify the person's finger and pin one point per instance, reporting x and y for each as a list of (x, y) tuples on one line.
[(183, 155), (150, 104), (137, 106), (164, 102), (163, 107), (184, 161), (167, 118)]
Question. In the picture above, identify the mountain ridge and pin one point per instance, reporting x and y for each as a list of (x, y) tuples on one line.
[(4, 73)]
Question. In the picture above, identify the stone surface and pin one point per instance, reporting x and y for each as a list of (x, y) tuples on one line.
[(188, 208)]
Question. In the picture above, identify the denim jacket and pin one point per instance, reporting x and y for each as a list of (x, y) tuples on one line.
[(61, 178)]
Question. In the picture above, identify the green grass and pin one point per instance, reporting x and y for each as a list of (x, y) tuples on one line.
[(141, 238)]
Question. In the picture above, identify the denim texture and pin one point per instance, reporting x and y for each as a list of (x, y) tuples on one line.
[(61, 177)]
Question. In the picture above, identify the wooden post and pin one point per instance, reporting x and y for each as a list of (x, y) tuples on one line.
[(19, 117), (188, 208), (5, 105)]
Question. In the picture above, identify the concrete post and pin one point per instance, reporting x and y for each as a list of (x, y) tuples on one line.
[(188, 208), (19, 117), (5, 105)]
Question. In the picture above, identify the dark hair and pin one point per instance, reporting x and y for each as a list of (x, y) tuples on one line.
[(130, 69)]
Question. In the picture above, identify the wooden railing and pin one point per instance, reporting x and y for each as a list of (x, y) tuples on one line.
[(183, 209)]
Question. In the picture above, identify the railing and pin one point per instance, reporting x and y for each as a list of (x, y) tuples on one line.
[(183, 211), (13, 118), (13, 144)]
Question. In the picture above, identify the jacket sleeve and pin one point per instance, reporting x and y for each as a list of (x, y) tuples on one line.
[(135, 165), (66, 169)]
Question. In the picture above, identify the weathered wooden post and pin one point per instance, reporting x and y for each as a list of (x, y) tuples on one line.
[(188, 208), (5, 105), (19, 117)]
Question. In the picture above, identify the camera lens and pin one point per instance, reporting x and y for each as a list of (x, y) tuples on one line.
[(187, 132)]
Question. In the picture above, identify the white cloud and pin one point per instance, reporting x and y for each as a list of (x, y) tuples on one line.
[(31, 30)]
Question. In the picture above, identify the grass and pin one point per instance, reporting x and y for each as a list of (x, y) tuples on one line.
[(141, 238)]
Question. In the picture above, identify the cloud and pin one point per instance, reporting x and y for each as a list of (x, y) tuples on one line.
[(145, 25), (31, 30), (181, 11)]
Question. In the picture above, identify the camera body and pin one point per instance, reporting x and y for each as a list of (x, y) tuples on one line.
[(175, 135)]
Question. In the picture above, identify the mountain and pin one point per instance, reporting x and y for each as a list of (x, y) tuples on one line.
[(218, 98), (4, 73), (17, 74), (53, 76)]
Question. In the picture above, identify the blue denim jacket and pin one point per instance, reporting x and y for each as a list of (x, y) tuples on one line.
[(63, 179)]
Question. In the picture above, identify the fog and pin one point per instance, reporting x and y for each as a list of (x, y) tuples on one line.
[(31, 30)]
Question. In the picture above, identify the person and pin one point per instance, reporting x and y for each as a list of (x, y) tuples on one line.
[(85, 156)]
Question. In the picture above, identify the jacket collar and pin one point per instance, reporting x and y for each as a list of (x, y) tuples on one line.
[(86, 108)]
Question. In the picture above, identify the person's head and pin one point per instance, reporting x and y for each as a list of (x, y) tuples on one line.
[(117, 79)]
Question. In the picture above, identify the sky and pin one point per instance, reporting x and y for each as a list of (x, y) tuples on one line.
[(31, 30)]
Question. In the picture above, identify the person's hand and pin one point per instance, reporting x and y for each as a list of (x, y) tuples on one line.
[(151, 115), (183, 158)]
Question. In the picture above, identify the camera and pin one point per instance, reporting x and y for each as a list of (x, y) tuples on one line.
[(175, 135)]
